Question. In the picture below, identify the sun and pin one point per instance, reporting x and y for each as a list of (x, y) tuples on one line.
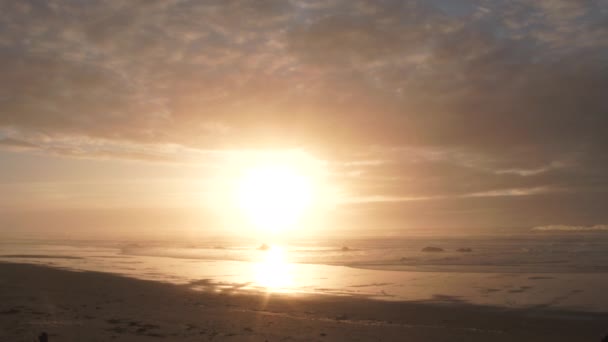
[(274, 197)]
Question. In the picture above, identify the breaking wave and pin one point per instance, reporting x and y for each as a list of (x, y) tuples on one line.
[(566, 228)]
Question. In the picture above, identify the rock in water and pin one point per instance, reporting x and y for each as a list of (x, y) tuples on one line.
[(432, 249)]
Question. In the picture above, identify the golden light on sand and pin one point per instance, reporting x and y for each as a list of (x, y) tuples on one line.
[(274, 197), (274, 271)]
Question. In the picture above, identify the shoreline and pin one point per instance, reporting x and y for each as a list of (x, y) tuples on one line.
[(82, 305), (573, 292)]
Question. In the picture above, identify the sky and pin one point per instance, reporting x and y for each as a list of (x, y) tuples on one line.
[(128, 115)]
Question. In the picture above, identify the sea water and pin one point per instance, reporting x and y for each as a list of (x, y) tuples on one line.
[(546, 269)]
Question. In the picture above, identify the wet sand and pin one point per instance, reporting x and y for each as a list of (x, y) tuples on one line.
[(91, 306)]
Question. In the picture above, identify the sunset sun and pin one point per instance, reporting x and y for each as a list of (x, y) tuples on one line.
[(273, 197)]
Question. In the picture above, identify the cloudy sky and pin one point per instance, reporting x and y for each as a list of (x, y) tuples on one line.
[(421, 113)]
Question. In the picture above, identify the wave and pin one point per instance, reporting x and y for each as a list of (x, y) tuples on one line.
[(38, 256), (567, 228)]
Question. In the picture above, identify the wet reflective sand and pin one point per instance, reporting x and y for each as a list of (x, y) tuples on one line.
[(272, 271)]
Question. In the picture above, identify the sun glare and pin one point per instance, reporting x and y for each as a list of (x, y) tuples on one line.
[(274, 196), (274, 272)]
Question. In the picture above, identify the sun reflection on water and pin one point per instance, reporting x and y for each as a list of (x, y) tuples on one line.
[(273, 271)]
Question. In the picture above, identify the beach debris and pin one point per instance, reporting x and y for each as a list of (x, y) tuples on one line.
[(263, 247), (432, 249), (464, 250), (345, 249)]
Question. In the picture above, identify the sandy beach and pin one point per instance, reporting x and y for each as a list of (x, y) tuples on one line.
[(91, 306)]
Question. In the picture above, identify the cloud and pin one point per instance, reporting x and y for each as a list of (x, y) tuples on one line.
[(167, 70), (494, 98), (16, 144)]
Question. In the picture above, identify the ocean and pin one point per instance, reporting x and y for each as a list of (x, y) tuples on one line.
[(537, 269)]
